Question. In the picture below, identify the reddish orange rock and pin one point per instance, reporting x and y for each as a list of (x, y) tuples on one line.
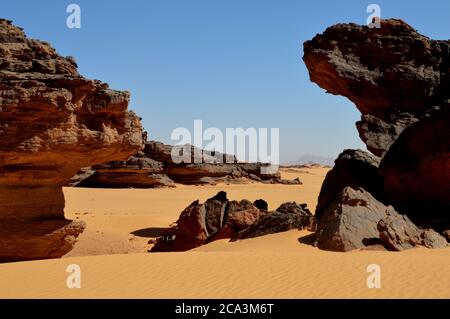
[(53, 121)]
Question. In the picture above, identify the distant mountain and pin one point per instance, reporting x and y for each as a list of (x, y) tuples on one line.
[(312, 159)]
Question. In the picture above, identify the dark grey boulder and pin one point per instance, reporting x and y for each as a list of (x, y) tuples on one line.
[(353, 168), (350, 222)]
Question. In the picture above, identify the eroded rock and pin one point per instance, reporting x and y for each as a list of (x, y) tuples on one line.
[(350, 222), (400, 81), (154, 167), (416, 169), (356, 220), (53, 121), (394, 75), (354, 168), (219, 218), (138, 171), (397, 233), (288, 216)]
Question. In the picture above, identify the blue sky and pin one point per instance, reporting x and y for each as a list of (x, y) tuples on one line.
[(230, 63)]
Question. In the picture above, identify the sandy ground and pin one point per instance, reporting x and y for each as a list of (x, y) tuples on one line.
[(112, 254)]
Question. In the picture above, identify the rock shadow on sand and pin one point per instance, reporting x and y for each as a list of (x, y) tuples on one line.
[(151, 232)]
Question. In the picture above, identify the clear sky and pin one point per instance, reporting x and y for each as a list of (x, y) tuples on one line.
[(230, 63)]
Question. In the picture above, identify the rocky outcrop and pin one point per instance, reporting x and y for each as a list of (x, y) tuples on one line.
[(200, 223), (398, 233), (399, 80), (416, 169), (155, 167), (83, 174), (288, 216), (350, 222), (356, 220), (206, 167), (240, 215), (379, 135), (393, 74), (354, 168), (139, 171), (53, 121), (219, 218)]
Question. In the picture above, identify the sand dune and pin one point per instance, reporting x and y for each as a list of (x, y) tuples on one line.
[(276, 266), (114, 262)]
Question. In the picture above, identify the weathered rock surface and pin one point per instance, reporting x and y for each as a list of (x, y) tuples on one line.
[(398, 233), (416, 169), (139, 171), (53, 121), (261, 204), (240, 220), (393, 74), (400, 82), (204, 164), (379, 135), (350, 222), (219, 218), (154, 167), (201, 223), (446, 234), (288, 216), (191, 229), (354, 168), (83, 174), (356, 220)]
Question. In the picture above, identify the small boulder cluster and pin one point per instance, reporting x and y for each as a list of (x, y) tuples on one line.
[(220, 218)]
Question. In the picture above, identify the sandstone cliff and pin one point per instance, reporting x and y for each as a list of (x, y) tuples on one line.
[(53, 121)]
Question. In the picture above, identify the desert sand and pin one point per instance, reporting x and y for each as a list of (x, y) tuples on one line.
[(112, 254)]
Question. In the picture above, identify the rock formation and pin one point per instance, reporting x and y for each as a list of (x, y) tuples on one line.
[(350, 221), (398, 232), (399, 80), (154, 167), (416, 169), (288, 216), (354, 168), (138, 171), (53, 121), (219, 218), (394, 75), (357, 220)]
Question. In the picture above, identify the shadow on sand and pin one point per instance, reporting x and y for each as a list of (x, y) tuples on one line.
[(149, 232), (308, 239)]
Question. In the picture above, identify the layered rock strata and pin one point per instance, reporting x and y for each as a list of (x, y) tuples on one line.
[(154, 167), (53, 121)]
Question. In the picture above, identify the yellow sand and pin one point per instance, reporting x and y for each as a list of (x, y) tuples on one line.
[(114, 262)]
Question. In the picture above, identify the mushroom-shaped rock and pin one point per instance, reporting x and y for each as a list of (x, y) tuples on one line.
[(393, 74)]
